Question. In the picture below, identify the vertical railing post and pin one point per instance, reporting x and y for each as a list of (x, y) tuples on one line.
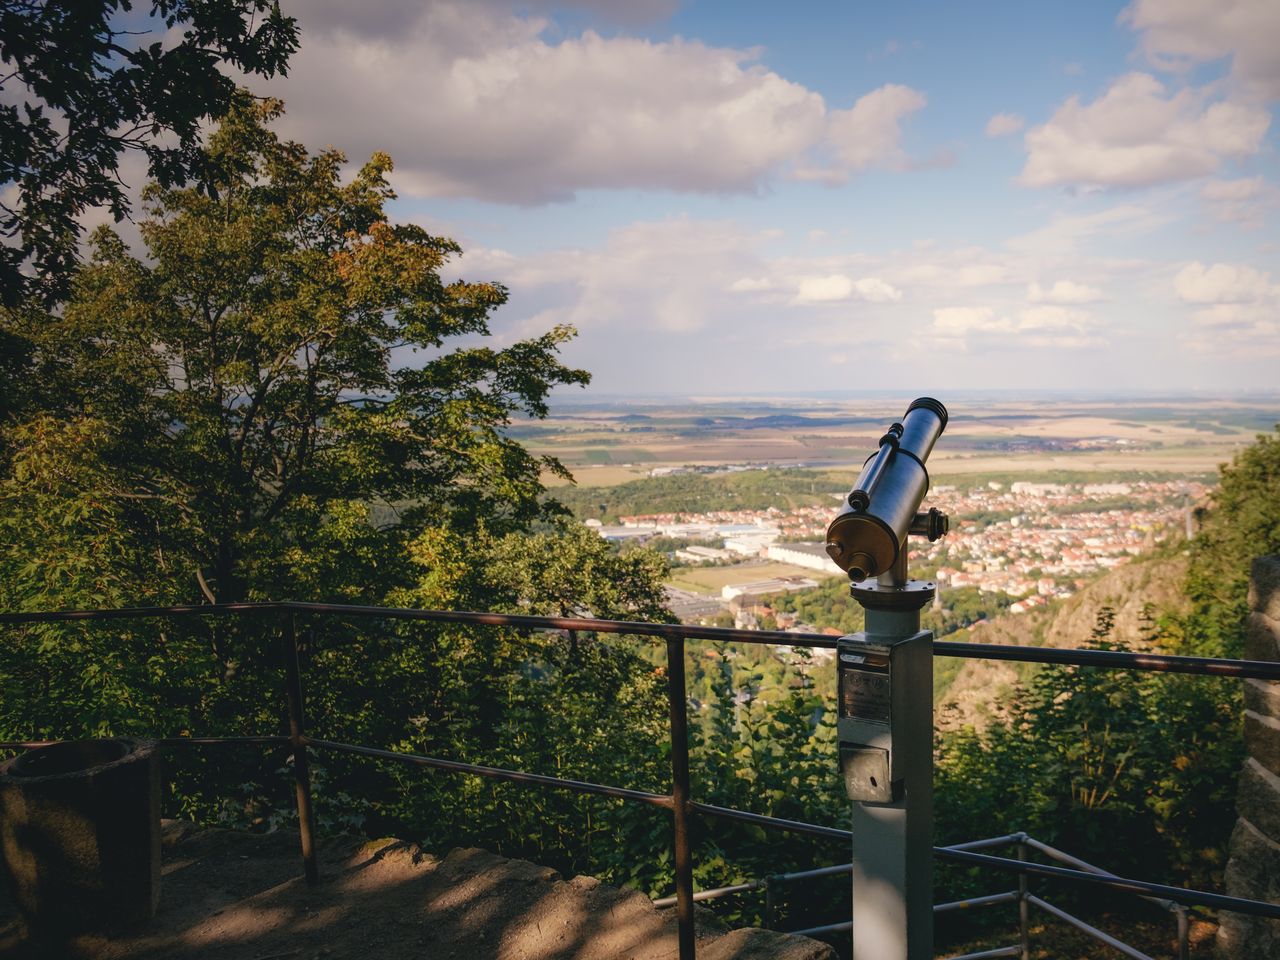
[(1184, 933), (1024, 908), (771, 902), (678, 697), (297, 741)]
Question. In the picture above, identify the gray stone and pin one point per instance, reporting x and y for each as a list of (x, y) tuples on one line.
[(1262, 740), (1263, 697), (753, 944), (1264, 586), (1253, 872), (1258, 798), (1261, 637), (80, 835)]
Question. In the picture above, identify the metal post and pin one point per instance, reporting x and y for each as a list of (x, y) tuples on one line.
[(770, 902), (1024, 908), (1184, 933), (677, 695), (886, 754), (301, 767)]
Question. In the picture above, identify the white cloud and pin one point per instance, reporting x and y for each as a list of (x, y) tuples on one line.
[(1053, 317), (1245, 201), (868, 134), (1037, 327), (962, 321), (875, 290), (751, 285), (1063, 291), (1222, 283), (493, 105), (1136, 135), (1003, 124), (824, 289), (1179, 33), (1239, 311)]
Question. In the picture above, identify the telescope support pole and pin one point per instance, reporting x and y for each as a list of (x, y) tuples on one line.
[(893, 840)]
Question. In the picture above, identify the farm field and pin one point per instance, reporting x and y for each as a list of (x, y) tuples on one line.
[(710, 580), (611, 443)]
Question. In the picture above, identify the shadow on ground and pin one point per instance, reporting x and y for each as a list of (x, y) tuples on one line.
[(238, 896)]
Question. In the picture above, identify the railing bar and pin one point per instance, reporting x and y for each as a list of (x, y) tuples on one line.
[(165, 741), (1177, 894), (127, 613), (1091, 930), (1064, 857), (815, 873), (990, 842), (823, 930), (1161, 663), (777, 823), (989, 900), (714, 894), (496, 773), (1214, 666), (989, 954)]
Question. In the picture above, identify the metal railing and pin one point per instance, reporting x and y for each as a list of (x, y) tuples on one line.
[(679, 801), (1022, 896)]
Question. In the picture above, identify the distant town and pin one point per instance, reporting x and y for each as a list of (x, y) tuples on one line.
[(1032, 541)]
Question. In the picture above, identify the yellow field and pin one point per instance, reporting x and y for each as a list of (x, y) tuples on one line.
[(598, 475), (713, 579)]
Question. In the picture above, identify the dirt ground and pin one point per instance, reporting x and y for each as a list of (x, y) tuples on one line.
[(239, 896)]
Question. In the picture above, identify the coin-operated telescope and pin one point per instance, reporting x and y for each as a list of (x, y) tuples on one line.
[(885, 692), (868, 537)]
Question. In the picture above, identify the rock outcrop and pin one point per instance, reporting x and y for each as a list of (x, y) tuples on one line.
[(1253, 870), (237, 896)]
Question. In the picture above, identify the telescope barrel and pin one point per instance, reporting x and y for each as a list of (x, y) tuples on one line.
[(868, 534)]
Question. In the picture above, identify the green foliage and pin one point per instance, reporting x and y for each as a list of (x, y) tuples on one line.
[(236, 398), (1088, 756), (1243, 523), (698, 493), (77, 65), (829, 605)]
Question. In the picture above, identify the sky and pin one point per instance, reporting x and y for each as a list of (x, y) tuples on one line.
[(765, 198)]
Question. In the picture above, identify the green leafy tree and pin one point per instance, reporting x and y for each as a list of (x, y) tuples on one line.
[(224, 419), (83, 86), (282, 359), (1243, 522)]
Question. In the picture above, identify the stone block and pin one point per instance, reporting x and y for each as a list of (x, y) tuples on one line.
[(1258, 798), (1261, 637), (1262, 697), (80, 835), (1262, 740), (1253, 872), (1264, 586), (753, 944)]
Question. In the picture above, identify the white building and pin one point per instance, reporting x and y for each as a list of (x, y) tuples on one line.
[(697, 554), (811, 555), (751, 544), (758, 588)]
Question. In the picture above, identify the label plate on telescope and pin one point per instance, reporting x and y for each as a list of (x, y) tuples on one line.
[(864, 689)]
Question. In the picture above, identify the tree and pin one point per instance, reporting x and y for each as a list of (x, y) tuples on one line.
[(282, 361), (83, 91), (275, 404), (1242, 523)]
